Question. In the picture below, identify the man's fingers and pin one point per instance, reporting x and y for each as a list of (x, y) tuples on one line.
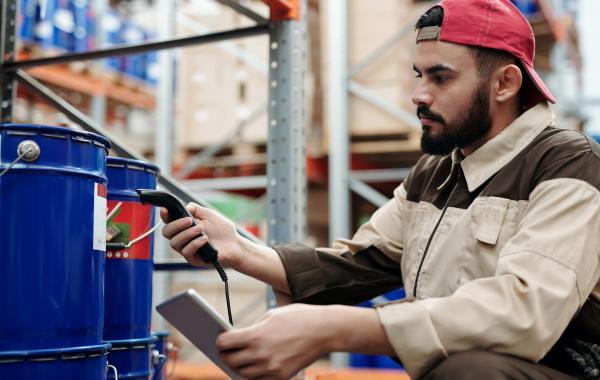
[(241, 358), (179, 241), (233, 339), (258, 371), (173, 228), (193, 246), (164, 215)]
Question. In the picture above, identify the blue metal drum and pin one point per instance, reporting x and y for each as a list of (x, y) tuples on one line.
[(161, 354), (129, 269), (52, 242), (132, 358), (74, 363), (52, 238)]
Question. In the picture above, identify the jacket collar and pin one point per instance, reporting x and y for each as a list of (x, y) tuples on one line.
[(492, 156)]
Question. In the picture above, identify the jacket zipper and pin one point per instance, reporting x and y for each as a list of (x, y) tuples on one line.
[(414, 292)]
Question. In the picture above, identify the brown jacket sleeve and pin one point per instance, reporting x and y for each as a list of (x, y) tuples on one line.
[(353, 270)]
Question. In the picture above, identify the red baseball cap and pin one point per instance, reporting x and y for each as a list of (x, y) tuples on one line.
[(494, 24)]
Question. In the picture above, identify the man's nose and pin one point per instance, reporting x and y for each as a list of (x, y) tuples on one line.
[(422, 96)]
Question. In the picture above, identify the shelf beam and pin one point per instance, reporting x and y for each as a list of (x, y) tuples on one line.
[(140, 48), (86, 84), (368, 193)]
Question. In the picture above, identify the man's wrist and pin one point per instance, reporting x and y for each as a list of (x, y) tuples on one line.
[(246, 251), (355, 329)]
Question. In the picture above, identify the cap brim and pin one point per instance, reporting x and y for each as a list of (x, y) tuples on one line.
[(541, 87)]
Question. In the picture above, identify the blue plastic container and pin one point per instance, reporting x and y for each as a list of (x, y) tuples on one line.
[(134, 64), (128, 290), (82, 18), (52, 243), (63, 22), (74, 363), (112, 24), (44, 29), (27, 10), (132, 358), (160, 354)]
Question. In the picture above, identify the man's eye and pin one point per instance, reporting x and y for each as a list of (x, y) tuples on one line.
[(418, 75), (440, 78)]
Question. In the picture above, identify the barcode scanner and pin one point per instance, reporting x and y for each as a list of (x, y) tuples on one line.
[(208, 253)]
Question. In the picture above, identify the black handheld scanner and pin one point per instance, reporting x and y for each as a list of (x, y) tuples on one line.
[(177, 210)]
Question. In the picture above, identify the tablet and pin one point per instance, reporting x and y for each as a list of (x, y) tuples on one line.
[(199, 322)]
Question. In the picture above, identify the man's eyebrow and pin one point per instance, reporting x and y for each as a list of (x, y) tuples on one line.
[(434, 69)]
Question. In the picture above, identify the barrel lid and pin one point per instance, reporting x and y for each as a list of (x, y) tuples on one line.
[(50, 129), (132, 164)]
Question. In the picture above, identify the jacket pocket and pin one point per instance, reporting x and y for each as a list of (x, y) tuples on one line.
[(488, 218)]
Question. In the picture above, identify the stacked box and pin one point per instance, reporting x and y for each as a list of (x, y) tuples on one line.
[(391, 76), (207, 93)]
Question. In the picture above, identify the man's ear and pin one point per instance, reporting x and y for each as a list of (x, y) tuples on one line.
[(507, 82)]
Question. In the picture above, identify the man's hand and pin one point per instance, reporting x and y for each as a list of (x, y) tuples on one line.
[(210, 224), (283, 342), (290, 338), (235, 251)]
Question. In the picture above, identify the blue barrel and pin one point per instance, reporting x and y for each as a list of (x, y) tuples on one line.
[(162, 351), (129, 267), (74, 363), (52, 242), (132, 358), (128, 290), (52, 239)]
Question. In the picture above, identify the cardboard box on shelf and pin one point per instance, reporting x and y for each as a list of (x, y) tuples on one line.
[(390, 76), (206, 97), (216, 89)]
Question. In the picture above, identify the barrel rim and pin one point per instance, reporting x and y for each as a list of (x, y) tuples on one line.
[(126, 162), (161, 333), (41, 128), (22, 355), (133, 342)]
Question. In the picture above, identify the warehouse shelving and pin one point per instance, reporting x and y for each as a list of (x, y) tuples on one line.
[(287, 32)]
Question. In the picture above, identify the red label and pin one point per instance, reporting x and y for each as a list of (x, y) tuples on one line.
[(101, 192), (130, 221)]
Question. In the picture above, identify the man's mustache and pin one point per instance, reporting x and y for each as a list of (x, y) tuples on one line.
[(424, 112)]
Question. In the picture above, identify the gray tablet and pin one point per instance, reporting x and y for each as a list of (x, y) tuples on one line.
[(199, 322)]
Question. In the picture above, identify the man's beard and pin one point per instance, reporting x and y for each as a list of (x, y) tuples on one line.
[(469, 127)]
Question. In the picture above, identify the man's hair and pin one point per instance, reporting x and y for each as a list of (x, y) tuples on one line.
[(487, 59)]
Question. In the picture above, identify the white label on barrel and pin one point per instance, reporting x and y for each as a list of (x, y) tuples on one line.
[(99, 217)]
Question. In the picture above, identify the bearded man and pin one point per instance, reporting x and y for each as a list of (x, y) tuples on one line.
[(494, 234)]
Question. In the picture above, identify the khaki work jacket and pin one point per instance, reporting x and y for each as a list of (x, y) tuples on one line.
[(513, 259)]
